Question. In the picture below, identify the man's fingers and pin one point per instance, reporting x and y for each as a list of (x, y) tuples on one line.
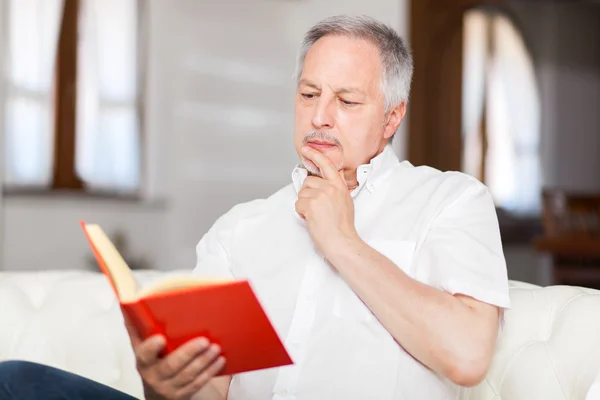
[(307, 193), (302, 207), (146, 353), (134, 336), (202, 379), (176, 361), (325, 165), (196, 366), (316, 183)]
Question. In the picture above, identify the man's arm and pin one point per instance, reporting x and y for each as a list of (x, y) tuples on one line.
[(216, 389), (453, 335)]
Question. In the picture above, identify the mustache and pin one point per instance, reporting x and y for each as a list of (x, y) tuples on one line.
[(321, 136)]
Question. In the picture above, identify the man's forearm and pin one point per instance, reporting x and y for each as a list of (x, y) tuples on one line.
[(440, 330), (213, 390), (210, 392)]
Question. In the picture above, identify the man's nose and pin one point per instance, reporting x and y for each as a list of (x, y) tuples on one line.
[(323, 116)]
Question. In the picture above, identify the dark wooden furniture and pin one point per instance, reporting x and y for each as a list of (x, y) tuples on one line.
[(572, 236)]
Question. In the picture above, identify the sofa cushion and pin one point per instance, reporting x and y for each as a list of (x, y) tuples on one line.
[(69, 320), (549, 347)]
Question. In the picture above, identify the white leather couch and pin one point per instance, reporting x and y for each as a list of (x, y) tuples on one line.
[(549, 348)]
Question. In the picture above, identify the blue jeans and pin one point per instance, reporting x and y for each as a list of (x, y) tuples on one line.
[(29, 381)]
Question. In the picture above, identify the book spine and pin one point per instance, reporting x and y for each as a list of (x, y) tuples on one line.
[(141, 317)]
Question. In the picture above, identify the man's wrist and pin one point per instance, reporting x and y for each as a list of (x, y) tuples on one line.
[(150, 394), (344, 247)]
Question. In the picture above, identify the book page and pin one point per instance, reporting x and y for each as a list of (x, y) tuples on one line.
[(175, 283), (119, 271)]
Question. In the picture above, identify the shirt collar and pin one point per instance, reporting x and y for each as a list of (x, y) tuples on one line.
[(367, 174)]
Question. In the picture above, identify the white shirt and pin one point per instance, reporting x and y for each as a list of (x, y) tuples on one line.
[(594, 392), (439, 228)]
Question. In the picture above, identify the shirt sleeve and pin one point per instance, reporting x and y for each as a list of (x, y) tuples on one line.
[(462, 251)]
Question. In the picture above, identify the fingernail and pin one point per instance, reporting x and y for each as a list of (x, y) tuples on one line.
[(215, 348), (201, 343), (158, 340)]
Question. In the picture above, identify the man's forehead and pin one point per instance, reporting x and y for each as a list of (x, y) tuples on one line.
[(337, 89), (344, 64)]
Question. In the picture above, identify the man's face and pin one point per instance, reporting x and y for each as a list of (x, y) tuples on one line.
[(339, 104)]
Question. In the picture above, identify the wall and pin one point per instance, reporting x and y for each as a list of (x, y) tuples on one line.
[(45, 233), (563, 39), (219, 131), (227, 89), (220, 91), (577, 113), (2, 13)]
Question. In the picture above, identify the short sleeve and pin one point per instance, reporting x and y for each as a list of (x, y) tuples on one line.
[(462, 251), (213, 250)]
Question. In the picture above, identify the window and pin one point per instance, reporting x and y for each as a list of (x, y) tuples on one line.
[(72, 105), (501, 112)]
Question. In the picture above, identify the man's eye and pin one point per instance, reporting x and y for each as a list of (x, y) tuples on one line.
[(308, 96), (348, 103)]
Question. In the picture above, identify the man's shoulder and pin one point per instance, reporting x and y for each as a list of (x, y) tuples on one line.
[(425, 173), (432, 183), (257, 207)]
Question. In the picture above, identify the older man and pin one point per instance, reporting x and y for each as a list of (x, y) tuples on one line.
[(386, 281)]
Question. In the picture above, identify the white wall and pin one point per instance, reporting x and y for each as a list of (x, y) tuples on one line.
[(45, 233), (2, 88), (226, 83), (219, 95)]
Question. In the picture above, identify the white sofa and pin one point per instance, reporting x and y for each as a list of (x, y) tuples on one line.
[(549, 348)]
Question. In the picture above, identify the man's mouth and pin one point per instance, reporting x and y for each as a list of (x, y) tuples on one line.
[(321, 145)]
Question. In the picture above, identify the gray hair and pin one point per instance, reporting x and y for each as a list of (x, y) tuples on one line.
[(396, 58)]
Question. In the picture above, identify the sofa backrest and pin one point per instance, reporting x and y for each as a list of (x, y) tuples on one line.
[(549, 347)]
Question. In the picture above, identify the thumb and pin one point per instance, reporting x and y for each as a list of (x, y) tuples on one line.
[(134, 336)]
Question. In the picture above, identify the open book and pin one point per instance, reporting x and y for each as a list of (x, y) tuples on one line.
[(180, 308)]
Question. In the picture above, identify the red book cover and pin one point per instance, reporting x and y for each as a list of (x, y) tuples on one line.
[(227, 313)]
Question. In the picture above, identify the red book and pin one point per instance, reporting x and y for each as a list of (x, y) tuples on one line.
[(180, 308)]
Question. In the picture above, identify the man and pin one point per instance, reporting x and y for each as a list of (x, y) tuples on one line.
[(385, 280)]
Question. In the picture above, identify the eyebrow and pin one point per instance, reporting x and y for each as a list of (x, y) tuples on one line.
[(344, 90)]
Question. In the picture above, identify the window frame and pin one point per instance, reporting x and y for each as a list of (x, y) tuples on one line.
[(64, 177)]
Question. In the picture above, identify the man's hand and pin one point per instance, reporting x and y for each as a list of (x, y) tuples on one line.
[(179, 375), (326, 204)]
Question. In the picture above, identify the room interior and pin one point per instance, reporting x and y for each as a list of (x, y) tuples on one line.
[(508, 91)]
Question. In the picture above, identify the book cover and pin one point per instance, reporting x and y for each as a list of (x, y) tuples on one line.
[(183, 308)]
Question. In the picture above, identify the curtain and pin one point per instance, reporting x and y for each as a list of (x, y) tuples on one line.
[(33, 29), (514, 126), (108, 127), (499, 74)]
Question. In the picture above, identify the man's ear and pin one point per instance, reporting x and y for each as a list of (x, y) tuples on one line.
[(393, 120)]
